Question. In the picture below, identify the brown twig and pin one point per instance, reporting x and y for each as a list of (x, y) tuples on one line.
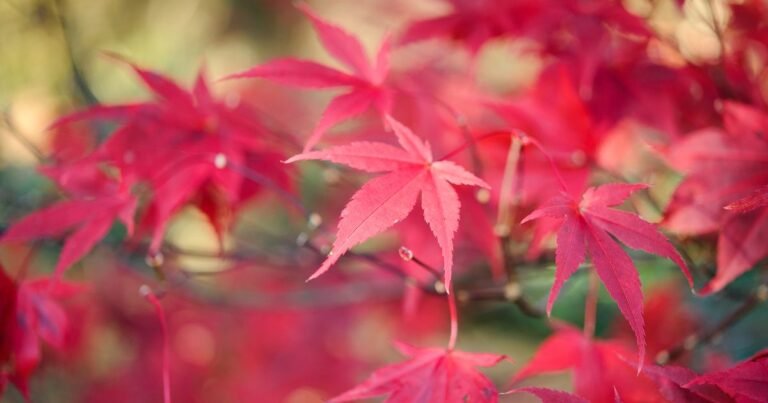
[(77, 74), (509, 293), (21, 138), (755, 299)]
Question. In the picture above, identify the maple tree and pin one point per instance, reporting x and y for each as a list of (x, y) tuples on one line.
[(625, 156)]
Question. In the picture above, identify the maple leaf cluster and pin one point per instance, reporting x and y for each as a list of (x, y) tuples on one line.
[(547, 174)]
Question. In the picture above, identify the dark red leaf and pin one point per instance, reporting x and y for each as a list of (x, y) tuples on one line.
[(430, 375)]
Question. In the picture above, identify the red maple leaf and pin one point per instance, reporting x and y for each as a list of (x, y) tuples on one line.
[(87, 219), (473, 22), (724, 190), (746, 382), (430, 375), (30, 314), (8, 292), (554, 96), (548, 395), (388, 199), (366, 82), (600, 371), (674, 385), (756, 200), (188, 146), (587, 226)]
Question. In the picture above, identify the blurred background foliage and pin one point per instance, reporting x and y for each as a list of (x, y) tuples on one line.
[(51, 62)]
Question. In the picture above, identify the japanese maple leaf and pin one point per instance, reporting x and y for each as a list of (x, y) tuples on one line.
[(756, 200), (675, 385), (189, 147), (548, 395), (86, 219), (365, 84), (587, 226), (600, 371), (474, 22), (8, 292), (430, 375), (746, 382), (388, 199), (39, 318), (31, 314), (724, 190)]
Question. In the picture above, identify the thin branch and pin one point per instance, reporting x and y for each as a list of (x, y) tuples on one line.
[(408, 256), (454, 319), (304, 297), (590, 305), (21, 138), (716, 27), (755, 299), (77, 74), (508, 293)]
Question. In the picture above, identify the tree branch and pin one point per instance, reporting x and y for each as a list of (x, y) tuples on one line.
[(705, 336)]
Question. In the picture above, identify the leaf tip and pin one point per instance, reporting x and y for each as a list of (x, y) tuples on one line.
[(317, 273), (229, 77), (300, 4), (639, 366), (297, 157), (527, 219)]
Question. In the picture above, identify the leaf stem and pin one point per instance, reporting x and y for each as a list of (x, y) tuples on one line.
[(78, 77), (454, 319), (150, 296), (436, 273), (552, 163), (506, 202), (590, 305)]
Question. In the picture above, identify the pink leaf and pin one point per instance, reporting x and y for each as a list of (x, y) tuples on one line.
[(556, 207), (674, 382), (301, 73), (381, 69), (81, 241), (105, 112), (560, 351), (747, 381), (740, 245), (617, 272), (52, 221), (441, 211), (409, 141), (549, 395), (340, 44), (612, 264), (430, 375), (758, 199), (457, 175), (339, 109), (379, 204), (568, 257), (365, 156), (611, 194), (388, 199), (638, 234)]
